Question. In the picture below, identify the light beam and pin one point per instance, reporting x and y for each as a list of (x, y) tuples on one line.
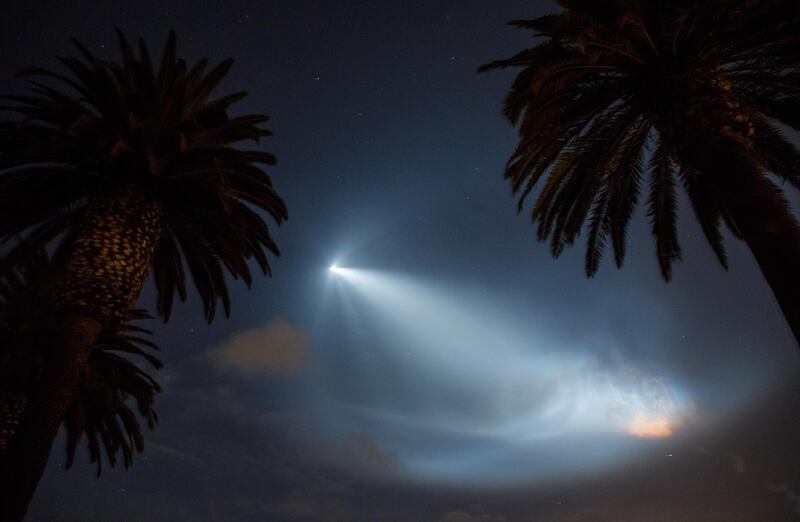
[(478, 384)]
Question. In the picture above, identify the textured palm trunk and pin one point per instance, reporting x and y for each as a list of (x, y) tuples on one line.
[(99, 278), (26, 457), (759, 211), (12, 407), (19, 366)]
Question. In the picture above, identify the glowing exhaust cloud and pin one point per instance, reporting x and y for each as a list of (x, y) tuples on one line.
[(647, 427), (480, 389)]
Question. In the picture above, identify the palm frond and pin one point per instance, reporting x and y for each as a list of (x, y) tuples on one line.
[(662, 210), (103, 407), (103, 126), (598, 67), (709, 216)]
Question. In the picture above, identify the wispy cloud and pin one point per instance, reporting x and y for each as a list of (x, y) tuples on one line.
[(366, 449), (791, 495), (278, 348), (176, 453), (472, 514)]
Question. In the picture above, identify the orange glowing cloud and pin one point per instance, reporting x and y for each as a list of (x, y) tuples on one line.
[(650, 428)]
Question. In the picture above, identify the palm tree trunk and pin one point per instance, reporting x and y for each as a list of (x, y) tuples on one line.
[(12, 406), (759, 213), (101, 273), (27, 457)]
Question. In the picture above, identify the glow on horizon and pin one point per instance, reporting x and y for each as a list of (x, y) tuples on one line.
[(645, 427)]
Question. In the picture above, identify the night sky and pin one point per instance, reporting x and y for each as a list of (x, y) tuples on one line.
[(452, 371)]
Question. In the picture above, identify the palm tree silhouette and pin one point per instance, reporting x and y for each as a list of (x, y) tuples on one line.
[(703, 85), (100, 409), (130, 167)]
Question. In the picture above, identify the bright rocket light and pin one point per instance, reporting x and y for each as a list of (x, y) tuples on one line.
[(481, 388), (339, 271)]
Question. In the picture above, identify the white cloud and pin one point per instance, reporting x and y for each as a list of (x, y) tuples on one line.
[(278, 348)]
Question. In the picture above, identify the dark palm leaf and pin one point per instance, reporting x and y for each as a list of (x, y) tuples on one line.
[(606, 73), (112, 386), (661, 208), (103, 405), (103, 127)]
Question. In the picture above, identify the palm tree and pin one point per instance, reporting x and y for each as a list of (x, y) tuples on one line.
[(129, 167), (617, 93), (20, 357), (100, 409)]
